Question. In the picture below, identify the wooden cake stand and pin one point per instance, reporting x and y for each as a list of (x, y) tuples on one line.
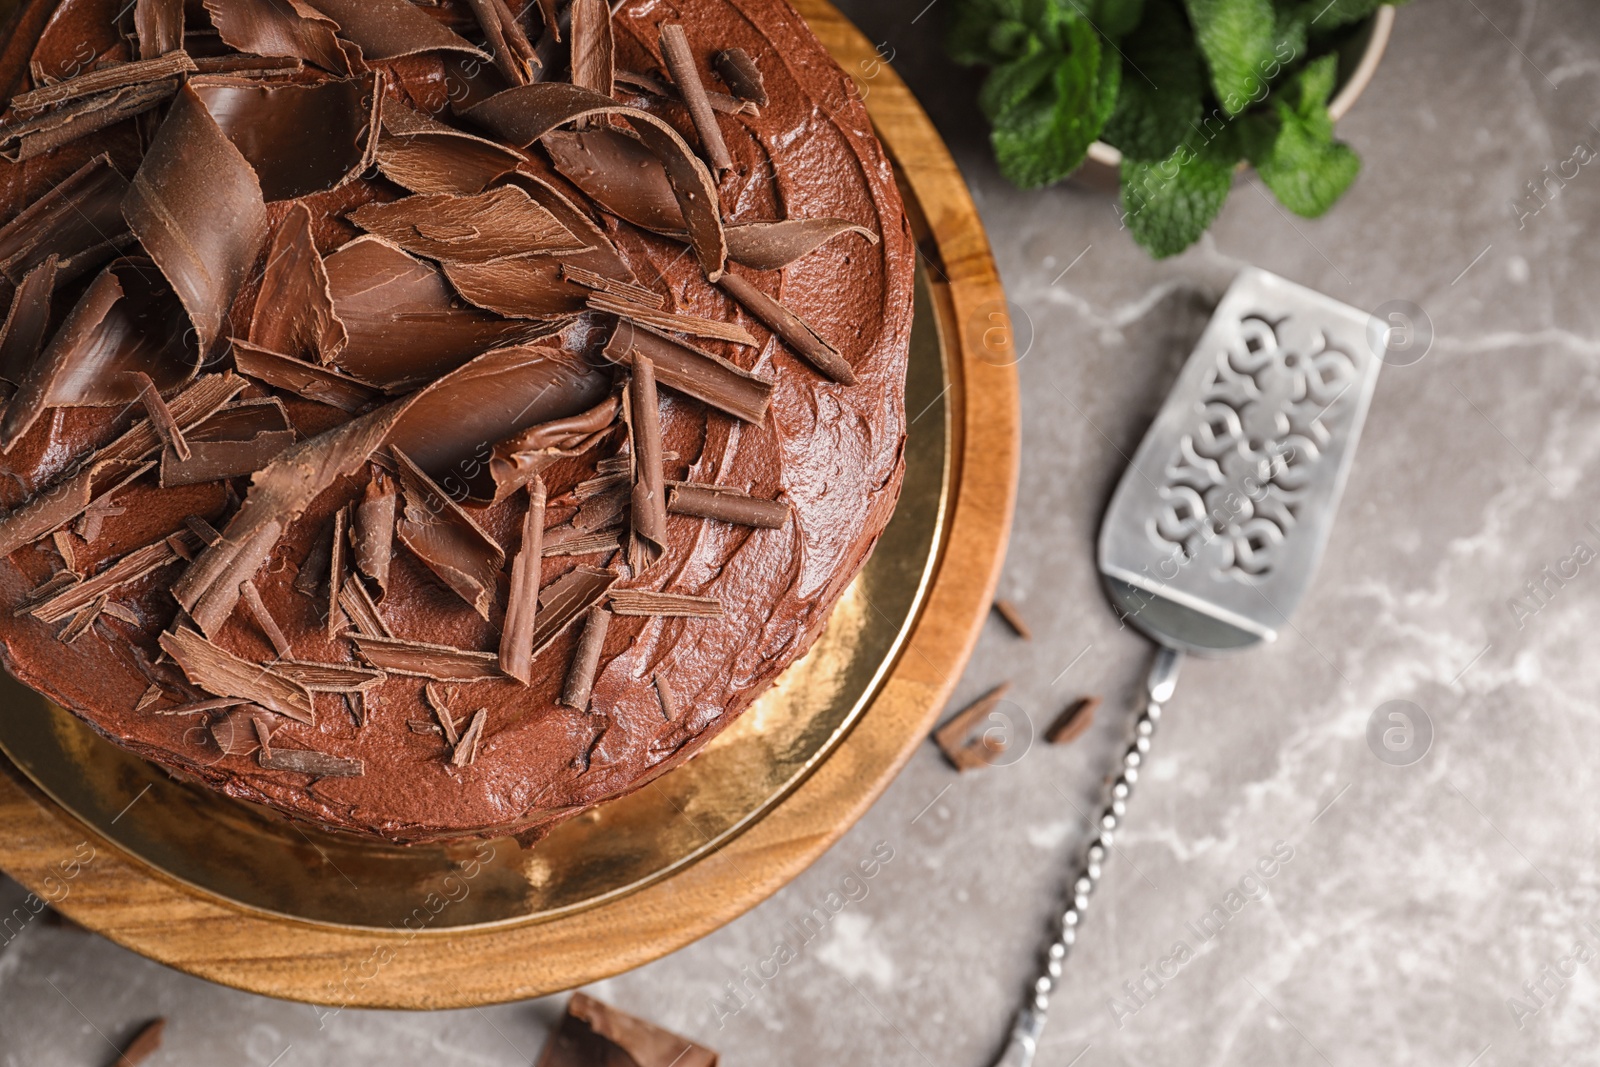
[(80, 863)]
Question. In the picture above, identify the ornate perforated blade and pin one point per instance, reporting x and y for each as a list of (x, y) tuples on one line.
[(1218, 525)]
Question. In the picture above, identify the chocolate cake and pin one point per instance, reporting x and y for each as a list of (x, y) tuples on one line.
[(428, 420)]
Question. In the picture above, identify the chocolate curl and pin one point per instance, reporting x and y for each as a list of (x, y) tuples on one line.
[(264, 619), (722, 102), (324, 385), (103, 80), (220, 672), (294, 313), (389, 29), (197, 209), (710, 503), (420, 659), (517, 460), (138, 564), (311, 762), (680, 62), (27, 321), (523, 115), (703, 375), (285, 28), (593, 46), (516, 636), (791, 327), (20, 142), (159, 26), (466, 752), (775, 245), (442, 535), (300, 139), (579, 686), (741, 74), (79, 221), (593, 1032), (373, 532), (424, 155), (513, 54), (337, 568), (236, 441), (648, 536), (501, 223)]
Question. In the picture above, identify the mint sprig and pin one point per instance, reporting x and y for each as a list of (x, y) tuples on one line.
[(1185, 89)]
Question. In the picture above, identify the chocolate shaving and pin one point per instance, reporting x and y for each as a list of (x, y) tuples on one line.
[(263, 725), (136, 565), (197, 209), (648, 532), (606, 509), (522, 287), (329, 677), (524, 114), (593, 1032), (321, 384), (235, 733), (424, 155), (219, 671), (294, 313), (301, 139), (144, 1044), (514, 56), (122, 613), (656, 87), (152, 695), (79, 221), (207, 395), (635, 294), (467, 748), (670, 321), (315, 565), (789, 326), (404, 322), (775, 245), (1074, 722), (517, 459), (236, 441), (441, 710), (66, 500), (420, 659), (686, 75), (389, 29), (954, 737), (20, 142), (516, 635), (565, 600), (337, 569), (269, 625), (673, 605), (372, 532), (552, 22), (450, 430), (727, 507), (255, 66), (575, 693), (161, 419), (289, 28), (357, 703), (587, 545), (442, 535), (603, 484), (159, 26), (501, 223), (363, 613), (669, 699), (309, 761), (27, 322), (694, 371), (593, 47), (102, 80), (740, 73), (1008, 611), (202, 529), (82, 621), (126, 320), (200, 707), (620, 174), (209, 588)]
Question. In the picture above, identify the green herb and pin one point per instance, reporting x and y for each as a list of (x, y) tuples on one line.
[(1184, 89)]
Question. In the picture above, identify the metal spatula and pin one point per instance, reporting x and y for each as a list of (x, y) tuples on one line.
[(1216, 529)]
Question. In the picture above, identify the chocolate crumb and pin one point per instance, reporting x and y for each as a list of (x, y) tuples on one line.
[(1008, 611)]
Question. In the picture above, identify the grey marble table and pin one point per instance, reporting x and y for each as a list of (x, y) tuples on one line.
[(1437, 913)]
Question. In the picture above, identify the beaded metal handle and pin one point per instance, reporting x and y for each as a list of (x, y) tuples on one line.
[(1029, 1024)]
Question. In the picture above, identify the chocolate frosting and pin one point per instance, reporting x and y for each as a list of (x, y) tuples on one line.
[(828, 454)]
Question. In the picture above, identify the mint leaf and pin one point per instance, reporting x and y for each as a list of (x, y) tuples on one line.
[(1294, 150), (1048, 106), (1324, 15), (1163, 83), (1167, 204), (1239, 40)]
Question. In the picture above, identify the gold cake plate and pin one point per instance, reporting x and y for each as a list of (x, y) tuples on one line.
[(236, 894)]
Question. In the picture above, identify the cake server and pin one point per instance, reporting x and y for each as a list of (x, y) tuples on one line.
[(1216, 528)]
